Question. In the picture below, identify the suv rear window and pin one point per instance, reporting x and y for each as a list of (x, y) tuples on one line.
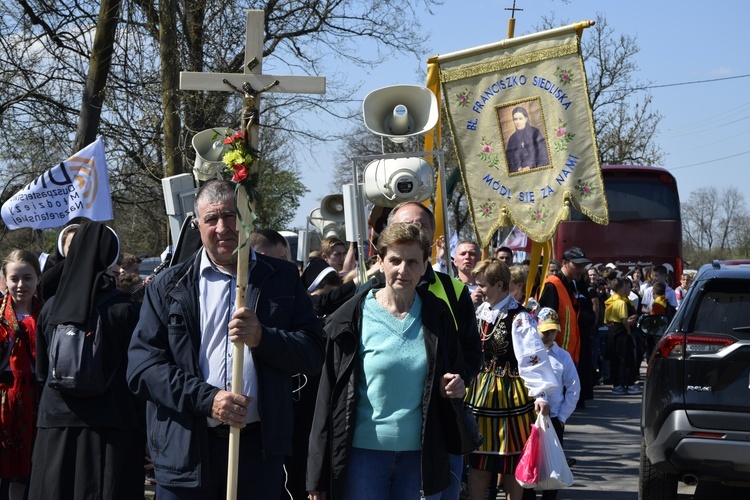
[(724, 305)]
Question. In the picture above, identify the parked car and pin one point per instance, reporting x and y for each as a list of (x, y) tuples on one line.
[(148, 266), (695, 421)]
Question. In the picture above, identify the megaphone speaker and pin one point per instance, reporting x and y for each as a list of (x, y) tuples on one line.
[(325, 227), (400, 111), (209, 147), (388, 182), (332, 207)]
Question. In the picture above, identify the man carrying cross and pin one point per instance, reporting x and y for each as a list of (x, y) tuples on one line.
[(202, 389), (180, 361)]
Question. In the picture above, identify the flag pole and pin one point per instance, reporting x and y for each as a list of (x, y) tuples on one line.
[(487, 251)]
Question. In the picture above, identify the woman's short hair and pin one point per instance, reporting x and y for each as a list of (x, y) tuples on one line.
[(495, 270), (403, 233), (327, 245), (517, 275)]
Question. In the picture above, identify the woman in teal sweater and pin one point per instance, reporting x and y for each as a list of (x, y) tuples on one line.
[(392, 361)]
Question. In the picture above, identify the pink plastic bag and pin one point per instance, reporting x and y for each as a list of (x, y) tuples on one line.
[(527, 471)]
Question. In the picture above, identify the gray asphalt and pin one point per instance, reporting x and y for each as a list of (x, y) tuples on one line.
[(604, 438)]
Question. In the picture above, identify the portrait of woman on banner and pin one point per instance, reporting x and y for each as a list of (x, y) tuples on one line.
[(527, 147)]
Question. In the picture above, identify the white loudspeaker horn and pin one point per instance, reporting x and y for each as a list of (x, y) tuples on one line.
[(209, 148), (332, 207), (400, 111), (388, 182), (326, 227)]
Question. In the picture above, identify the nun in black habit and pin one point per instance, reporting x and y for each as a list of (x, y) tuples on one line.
[(54, 265), (89, 447), (527, 148)]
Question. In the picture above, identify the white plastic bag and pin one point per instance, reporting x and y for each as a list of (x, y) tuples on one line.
[(554, 473)]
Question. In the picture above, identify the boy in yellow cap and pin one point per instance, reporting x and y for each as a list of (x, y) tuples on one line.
[(562, 402)]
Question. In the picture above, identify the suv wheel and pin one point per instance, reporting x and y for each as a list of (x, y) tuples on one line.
[(654, 484)]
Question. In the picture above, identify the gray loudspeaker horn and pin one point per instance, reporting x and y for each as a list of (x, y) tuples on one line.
[(400, 111), (209, 148), (332, 207), (325, 227)]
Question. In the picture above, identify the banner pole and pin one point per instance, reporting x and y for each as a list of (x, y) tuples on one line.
[(512, 42)]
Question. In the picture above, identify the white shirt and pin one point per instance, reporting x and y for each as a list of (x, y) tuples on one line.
[(440, 266), (217, 291), (533, 361), (648, 297), (562, 405)]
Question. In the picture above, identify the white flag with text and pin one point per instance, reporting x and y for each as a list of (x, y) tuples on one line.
[(77, 187)]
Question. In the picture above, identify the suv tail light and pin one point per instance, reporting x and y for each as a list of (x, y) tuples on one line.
[(677, 345)]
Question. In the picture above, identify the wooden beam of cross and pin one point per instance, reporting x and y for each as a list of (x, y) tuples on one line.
[(250, 83)]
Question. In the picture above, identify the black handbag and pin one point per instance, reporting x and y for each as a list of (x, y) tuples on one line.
[(460, 427)]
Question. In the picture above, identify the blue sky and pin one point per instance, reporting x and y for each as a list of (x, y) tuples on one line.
[(705, 132)]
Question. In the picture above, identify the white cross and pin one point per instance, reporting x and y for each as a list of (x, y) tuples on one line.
[(253, 73)]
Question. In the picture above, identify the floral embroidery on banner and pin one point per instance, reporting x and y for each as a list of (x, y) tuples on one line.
[(487, 156), (462, 99), (565, 75)]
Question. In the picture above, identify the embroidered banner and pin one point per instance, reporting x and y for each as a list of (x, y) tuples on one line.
[(77, 187), (523, 127)]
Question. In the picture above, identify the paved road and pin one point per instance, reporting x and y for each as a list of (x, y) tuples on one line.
[(604, 438)]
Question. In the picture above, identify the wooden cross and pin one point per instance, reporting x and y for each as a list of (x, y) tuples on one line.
[(252, 74), (250, 83)]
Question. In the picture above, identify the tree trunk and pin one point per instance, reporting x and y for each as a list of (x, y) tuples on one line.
[(170, 100), (99, 66)]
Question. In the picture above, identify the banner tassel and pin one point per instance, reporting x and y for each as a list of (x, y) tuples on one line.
[(565, 211)]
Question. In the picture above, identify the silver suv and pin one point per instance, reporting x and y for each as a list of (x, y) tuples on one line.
[(695, 421)]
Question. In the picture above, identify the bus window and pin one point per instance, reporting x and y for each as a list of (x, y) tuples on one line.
[(645, 227), (638, 201)]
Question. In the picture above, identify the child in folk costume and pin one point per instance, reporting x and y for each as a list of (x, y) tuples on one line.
[(18, 392)]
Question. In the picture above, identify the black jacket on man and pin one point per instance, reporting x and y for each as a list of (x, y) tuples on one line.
[(163, 364)]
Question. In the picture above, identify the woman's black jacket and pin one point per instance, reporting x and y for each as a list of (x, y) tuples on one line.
[(333, 425)]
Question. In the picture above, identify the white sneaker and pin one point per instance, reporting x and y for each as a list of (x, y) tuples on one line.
[(633, 389), (619, 390)]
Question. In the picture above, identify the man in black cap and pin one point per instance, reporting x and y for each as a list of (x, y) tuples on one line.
[(559, 293)]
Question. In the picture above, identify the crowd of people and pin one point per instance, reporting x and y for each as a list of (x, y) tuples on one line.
[(348, 376)]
